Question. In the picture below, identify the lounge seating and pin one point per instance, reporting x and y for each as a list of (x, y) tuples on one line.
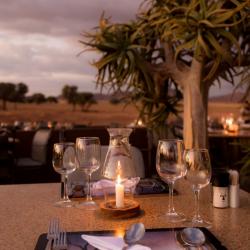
[(6, 156), (32, 168)]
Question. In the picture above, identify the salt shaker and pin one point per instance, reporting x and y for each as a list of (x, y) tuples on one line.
[(234, 189), (220, 185)]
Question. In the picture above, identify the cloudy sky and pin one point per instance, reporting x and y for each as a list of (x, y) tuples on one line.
[(39, 41)]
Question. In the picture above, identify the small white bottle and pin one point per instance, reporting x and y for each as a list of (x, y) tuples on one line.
[(234, 189), (220, 185)]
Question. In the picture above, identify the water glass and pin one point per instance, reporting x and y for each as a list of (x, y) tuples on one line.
[(170, 167), (88, 155), (63, 161), (198, 174)]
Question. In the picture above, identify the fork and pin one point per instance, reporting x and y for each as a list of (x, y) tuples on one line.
[(60, 242), (53, 231)]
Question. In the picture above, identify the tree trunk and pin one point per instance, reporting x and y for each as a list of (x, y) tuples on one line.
[(195, 108), (4, 105), (73, 107)]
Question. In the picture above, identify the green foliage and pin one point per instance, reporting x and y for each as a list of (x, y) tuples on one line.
[(122, 68), (21, 91), (51, 99), (115, 100), (70, 94), (245, 82), (85, 100), (141, 57), (246, 159), (213, 32), (37, 98), (12, 92)]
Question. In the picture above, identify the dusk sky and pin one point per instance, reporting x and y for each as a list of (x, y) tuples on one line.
[(39, 41)]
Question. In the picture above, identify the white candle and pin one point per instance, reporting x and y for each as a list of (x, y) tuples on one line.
[(119, 193)]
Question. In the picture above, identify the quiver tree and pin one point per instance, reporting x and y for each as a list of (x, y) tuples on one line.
[(190, 44)]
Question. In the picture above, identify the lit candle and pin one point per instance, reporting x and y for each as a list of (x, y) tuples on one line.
[(119, 192), (233, 127)]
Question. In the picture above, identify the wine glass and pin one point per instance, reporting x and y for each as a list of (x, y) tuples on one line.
[(64, 163), (170, 167), (199, 175), (88, 155)]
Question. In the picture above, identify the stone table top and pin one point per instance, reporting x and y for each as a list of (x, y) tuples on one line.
[(26, 209)]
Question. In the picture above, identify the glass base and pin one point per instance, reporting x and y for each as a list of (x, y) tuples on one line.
[(64, 203), (87, 205), (198, 223), (174, 217)]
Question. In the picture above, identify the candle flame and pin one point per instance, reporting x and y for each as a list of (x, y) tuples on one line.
[(229, 121), (118, 179), (118, 168)]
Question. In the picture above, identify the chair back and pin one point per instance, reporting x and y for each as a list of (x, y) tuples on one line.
[(39, 145)]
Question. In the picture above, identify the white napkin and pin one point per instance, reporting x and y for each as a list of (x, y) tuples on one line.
[(109, 186), (110, 243)]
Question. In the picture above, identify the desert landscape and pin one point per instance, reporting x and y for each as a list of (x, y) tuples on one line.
[(102, 113)]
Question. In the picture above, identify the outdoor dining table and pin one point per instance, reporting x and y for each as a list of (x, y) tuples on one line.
[(26, 210)]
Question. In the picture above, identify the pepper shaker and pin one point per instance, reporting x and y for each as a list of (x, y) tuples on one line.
[(234, 189)]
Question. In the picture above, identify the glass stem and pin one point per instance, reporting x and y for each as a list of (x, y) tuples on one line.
[(89, 198), (65, 187), (197, 204), (171, 209), (62, 186)]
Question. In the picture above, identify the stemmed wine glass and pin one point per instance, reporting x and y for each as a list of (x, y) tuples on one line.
[(88, 155), (64, 163), (199, 175), (170, 167)]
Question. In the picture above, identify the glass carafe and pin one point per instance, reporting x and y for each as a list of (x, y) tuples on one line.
[(118, 160)]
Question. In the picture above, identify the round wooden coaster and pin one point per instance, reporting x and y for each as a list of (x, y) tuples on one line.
[(131, 208)]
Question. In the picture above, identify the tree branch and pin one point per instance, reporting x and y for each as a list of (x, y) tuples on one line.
[(177, 70), (245, 62)]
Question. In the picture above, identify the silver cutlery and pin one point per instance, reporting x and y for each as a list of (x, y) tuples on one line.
[(60, 242), (204, 245), (53, 231), (134, 234)]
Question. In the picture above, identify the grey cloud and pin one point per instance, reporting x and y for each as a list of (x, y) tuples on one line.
[(39, 40), (62, 17)]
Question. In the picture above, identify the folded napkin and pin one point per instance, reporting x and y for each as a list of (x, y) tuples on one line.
[(110, 243), (104, 185)]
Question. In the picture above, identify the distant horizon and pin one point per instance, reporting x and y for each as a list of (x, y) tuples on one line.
[(39, 43), (56, 90), (227, 97)]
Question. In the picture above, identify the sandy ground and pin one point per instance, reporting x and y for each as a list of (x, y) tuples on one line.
[(103, 113)]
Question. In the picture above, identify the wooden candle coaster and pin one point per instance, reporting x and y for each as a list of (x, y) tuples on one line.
[(131, 208)]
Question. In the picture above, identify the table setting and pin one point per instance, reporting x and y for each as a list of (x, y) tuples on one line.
[(136, 237), (117, 189), (33, 207), (167, 211)]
